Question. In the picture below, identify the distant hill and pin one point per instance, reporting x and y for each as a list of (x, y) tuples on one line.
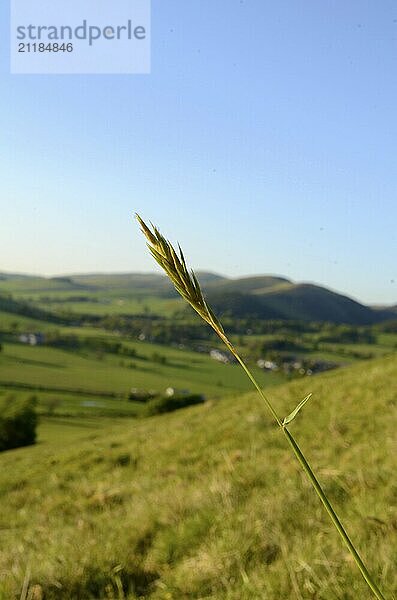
[(25, 309), (10, 282), (149, 282), (311, 302), (236, 304), (262, 296), (136, 281), (207, 278), (14, 276), (248, 285), (306, 302)]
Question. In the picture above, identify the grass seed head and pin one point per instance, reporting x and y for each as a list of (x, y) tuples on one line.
[(184, 280)]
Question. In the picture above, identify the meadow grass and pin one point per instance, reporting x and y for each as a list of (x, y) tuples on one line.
[(207, 503)]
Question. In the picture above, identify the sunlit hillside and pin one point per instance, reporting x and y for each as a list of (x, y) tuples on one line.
[(207, 502)]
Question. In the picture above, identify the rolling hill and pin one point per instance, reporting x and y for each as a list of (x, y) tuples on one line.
[(16, 283), (265, 297), (289, 301), (147, 282), (10, 306), (246, 285), (312, 302)]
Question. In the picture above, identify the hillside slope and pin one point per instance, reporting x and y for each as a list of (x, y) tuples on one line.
[(314, 303), (305, 302), (208, 502), (27, 284), (251, 285), (10, 306), (149, 282)]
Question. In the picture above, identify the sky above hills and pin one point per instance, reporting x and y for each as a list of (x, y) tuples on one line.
[(264, 141)]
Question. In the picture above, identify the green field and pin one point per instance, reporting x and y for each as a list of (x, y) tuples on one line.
[(207, 502), (20, 323), (104, 304), (54, 368)]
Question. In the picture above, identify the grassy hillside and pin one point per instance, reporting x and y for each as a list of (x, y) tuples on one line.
[(22, 323), (314, 303), (21, 283), (256, 284), (16, 307), (207, 502), (305, 302), (147, 281), (113, 302), (240, 306)]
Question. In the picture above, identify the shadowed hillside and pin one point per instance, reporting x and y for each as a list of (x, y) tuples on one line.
[(310, 302), (16, 307), (306, 302)]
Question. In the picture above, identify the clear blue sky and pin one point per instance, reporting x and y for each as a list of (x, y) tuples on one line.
[(265, 141)]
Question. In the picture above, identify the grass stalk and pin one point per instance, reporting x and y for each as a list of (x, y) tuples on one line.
[(314, 481), (187, 285)]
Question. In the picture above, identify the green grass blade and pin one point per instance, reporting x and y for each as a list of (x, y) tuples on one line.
[(292, 415)]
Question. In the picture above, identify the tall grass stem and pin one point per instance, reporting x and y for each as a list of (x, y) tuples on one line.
[(315, 483), (187, 285)]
